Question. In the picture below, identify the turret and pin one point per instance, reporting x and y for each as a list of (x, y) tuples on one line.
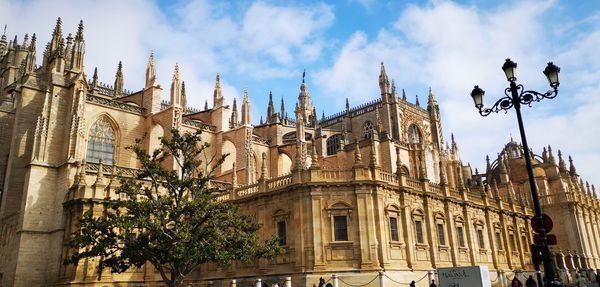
[(246, 109), (119, 80), (384, 84), (217, 96)]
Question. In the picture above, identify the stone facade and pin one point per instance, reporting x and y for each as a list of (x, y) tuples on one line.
[(371, 188)]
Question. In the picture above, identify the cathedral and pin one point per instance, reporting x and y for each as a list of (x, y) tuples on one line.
[(373, 189)]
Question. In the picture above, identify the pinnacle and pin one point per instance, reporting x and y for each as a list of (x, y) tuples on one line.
[(79, 35), (58, 27)]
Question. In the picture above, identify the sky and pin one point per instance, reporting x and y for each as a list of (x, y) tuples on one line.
[(264, 46)]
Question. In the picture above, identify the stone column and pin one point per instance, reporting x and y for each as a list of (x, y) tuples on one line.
[(366, 224)]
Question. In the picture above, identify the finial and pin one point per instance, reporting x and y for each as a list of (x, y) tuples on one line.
[(572, 169), (347, 105), (314, 159), (205, 105), (79, 35), (303, 75), (544, 154), (218, 80), (442, 174), (263, 171), (4, 33), (357, 156), (589, 190), (403, 95), (373, 160), (561, 163), (550, 155), (417, 101), (234, 175), (58, 27), (95, 77), (398, 161), (176, 72)]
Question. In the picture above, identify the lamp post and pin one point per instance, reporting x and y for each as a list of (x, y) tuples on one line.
[(515, 96)]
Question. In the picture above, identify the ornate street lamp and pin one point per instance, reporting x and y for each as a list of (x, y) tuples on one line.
[(515, 96)]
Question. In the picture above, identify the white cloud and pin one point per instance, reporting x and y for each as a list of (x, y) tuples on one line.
[(204, 37), (451, 47)]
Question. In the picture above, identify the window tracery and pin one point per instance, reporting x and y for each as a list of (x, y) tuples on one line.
[(101, 142)]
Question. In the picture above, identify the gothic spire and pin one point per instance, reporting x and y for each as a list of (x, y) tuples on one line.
[(95, 78), (270, 108), (78, 49), (417, 101), (234, 114), (246, 109), (393, 91), (403, 95), (384, 83), (119, 80), (217, 96), (79, 35), (183, 97), (176, 88), (151, 71), (347, 105), (282, 109)]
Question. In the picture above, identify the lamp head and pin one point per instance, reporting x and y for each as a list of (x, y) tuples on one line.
[(551, 73), (477, 95), (510, 70)]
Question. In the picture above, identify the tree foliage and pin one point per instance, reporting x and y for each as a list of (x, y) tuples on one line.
[(170, 218)]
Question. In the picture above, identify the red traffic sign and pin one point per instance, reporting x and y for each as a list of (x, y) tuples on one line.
[(548, 224), (551, 238)]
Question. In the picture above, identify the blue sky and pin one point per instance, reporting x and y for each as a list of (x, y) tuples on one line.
[(446, 45)]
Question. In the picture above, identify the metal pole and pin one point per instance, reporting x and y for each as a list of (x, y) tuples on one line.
[(548, 269)]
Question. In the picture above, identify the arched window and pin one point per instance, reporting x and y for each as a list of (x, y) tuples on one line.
[(414, 135), (368, 130), (333, 144), (101, 142)]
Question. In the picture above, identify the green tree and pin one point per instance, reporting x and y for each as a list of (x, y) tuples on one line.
[(171, 219)]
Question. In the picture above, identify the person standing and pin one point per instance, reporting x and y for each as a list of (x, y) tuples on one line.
[(432, 283), (530, 282), (413, 284), (598, 276)]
